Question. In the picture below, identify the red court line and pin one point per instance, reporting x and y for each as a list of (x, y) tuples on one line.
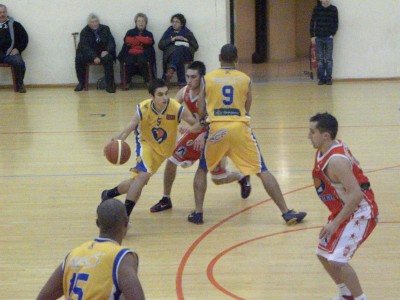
[(185, 258), (213, 262)]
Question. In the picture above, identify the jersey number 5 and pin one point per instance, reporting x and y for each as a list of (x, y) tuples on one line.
[(73, 284), (227, 92)]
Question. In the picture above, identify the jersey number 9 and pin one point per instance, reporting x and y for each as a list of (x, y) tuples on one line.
[(227, 92)]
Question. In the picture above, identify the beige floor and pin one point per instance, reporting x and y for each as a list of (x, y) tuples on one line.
[(52, 172)]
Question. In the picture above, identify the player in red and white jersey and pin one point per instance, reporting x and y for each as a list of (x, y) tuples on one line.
[(342, 186), (189, 146)]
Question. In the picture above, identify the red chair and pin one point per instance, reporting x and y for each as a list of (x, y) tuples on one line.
[(3, 65), (123, 79)]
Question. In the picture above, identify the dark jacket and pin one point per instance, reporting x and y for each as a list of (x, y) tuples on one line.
[(168, 46), (14, 37), (324, 21), (148, 49), (91, 49)]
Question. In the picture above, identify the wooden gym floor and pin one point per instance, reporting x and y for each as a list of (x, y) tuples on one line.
[(52, 172)]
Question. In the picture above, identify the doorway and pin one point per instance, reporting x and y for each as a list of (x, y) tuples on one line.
[(286, 32)]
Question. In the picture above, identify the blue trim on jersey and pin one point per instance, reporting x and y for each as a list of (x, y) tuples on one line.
[(263, 166), (202, 161), (154, 109), (117, 262), (139, 166), (180, 113), (102, 240), (139, 112)]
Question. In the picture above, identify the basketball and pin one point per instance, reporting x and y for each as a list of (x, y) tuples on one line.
[(117, 152)]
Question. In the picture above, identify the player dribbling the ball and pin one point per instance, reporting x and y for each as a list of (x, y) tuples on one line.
[(155, 123)]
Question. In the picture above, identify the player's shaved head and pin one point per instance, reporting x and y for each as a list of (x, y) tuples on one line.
[(111, 216), (229, 53)]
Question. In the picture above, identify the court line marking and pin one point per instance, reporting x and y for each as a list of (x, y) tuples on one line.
[(213, 262), (186, 256)]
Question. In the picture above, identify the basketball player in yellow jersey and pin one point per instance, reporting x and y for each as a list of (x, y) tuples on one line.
[(101, 268), (155, 123), (227, 103)]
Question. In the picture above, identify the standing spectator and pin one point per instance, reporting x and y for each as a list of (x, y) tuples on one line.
[(100, 268), (323, 26), (96, 45), (341, 185), (137, 50), (179, 45), (13, 40)]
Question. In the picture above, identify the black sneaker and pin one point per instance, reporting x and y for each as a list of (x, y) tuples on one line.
[(164, 204), (21, 88), (110, 89), (104, 195), (196, 218), (293, 217), (79, 87), (245, 187)]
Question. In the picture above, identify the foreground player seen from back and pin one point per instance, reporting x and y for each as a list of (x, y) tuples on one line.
[(190, 145), (346, 191), (100, 268), (227, 104), (155, 123)]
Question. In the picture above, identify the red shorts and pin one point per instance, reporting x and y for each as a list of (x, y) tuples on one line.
[(185, 156)]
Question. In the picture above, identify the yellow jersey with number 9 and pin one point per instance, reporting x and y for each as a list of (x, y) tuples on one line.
[(226, 95), (91, 270)]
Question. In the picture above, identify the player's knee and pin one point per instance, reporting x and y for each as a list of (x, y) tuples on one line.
[(218, 181), (336, 266)]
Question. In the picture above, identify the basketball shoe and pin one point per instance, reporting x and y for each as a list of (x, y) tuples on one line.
[(245, 187), (293, 217), (164, 204), (196, 218)]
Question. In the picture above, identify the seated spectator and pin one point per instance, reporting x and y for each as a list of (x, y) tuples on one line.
[(138, 50), (96, 45), (179, 46), (13, 40)]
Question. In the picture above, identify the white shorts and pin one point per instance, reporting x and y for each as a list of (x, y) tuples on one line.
[(341, 246)]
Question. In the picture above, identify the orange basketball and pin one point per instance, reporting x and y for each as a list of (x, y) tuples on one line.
[(117, 152)]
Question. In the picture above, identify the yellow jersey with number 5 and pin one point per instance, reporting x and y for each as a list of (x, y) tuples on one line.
[(226, 94), (91, 270)]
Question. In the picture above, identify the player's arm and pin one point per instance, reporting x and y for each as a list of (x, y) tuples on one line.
[(339, 170), (128, 279), (188, 118), (249, 100), (53, 289), (129, 128), (179, 95), (201, 102)]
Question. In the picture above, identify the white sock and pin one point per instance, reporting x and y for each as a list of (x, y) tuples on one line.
[(166, 196), (361, 297), (343, 290)]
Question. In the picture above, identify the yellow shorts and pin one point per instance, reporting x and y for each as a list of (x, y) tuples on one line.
[(147, 160), (236, 141)]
